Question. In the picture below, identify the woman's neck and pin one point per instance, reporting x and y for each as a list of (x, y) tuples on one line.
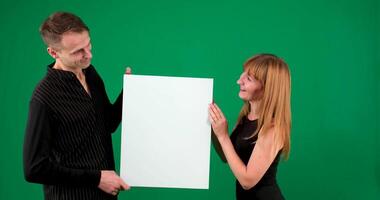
[(252, 115)]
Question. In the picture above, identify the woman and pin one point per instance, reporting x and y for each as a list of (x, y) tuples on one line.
[(262, 133)]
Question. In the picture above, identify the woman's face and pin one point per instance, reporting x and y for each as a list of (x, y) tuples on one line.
[(250, 88)]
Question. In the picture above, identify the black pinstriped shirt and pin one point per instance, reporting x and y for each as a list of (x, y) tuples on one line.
[(68, 135)]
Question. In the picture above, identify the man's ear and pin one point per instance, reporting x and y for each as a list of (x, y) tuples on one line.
[(52, 52)]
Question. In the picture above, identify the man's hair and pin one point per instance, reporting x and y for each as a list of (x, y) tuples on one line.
[(59, 23)]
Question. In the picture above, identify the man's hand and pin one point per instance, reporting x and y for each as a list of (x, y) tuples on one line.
[(128, 70), (111, 183)]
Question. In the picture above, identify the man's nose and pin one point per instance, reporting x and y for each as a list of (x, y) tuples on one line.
[(88, 53)]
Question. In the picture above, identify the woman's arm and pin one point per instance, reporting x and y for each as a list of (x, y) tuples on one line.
[(261, 158), (218, 147)]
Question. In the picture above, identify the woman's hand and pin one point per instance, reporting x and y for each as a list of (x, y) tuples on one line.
[(218, 121)]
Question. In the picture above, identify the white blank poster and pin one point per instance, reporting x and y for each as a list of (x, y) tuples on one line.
[(166, 137)]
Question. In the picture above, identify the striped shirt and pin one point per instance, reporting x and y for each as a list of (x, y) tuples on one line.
[(68, 135)]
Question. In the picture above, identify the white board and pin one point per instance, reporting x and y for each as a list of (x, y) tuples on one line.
[(165, 140)]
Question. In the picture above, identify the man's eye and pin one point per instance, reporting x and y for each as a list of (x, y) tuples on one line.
[(79, 51)]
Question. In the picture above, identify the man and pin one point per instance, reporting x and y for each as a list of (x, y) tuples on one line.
[(68, 146)]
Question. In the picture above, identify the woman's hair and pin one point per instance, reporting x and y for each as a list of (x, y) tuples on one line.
[(59, 23), (274, 104)]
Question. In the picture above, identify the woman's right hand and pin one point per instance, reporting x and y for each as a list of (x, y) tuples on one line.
[(218, 121)]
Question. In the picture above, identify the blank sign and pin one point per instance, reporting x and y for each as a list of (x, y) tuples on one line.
[(165, 140)]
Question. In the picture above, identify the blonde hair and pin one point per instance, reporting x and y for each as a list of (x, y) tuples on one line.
[(274, 104)]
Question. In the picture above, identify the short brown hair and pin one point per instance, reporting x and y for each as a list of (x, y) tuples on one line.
[(59, 23)]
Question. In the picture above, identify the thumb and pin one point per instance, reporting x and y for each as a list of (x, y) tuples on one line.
[(123, 185), (128, 70)]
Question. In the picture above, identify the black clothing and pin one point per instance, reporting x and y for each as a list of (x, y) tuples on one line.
[(266, 188), (68, 135)]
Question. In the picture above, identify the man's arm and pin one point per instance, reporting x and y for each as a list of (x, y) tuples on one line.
[(114, 111), (38, 167)]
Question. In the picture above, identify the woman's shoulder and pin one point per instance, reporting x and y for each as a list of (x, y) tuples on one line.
[(271, 136)]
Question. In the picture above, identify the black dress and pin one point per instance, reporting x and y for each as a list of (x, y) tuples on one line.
[(266, 188)]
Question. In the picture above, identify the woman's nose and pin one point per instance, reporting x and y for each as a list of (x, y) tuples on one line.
[(239, 81)]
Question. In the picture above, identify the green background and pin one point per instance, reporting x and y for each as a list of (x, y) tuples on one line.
[(332, 48)]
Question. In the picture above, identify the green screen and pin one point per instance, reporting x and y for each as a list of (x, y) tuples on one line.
[(332, 48)]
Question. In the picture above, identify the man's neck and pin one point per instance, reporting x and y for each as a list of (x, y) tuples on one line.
[(77, 71)]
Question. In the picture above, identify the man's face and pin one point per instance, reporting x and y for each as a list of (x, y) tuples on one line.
[(75, 50)]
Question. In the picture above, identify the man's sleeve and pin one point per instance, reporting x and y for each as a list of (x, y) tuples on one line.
[(114, 113), (38, 165)]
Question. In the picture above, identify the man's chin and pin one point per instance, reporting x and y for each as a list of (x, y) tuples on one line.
[(86, 65)]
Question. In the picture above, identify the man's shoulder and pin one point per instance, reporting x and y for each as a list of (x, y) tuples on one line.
[(44, 88), (92, 75), (90, 70)]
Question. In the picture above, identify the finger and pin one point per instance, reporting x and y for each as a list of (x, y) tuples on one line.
[(128, 70), (114, 192), (219, 111), (210, 119), (124, 186), (215, 111), (213, 114)]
